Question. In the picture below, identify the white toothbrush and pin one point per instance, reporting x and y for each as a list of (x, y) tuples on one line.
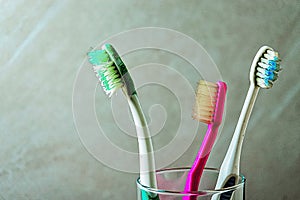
[(113, 75), (263, 72)]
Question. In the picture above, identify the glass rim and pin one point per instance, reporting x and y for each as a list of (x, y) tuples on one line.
[(199, 192)]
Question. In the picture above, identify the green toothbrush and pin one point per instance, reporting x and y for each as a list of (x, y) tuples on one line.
[(113, 75)]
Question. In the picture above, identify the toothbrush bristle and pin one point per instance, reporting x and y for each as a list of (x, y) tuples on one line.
[(267, 69), (106, 71), (205, 103)]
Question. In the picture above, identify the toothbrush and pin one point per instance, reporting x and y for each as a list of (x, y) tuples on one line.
[(209, 106), (113, 75), (263, 72)]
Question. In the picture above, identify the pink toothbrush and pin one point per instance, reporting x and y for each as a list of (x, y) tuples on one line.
[(209, 106)]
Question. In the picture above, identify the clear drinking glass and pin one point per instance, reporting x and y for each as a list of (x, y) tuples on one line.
[(171, 183)]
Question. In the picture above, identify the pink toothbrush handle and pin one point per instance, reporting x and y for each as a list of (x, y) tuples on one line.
[(196, 171)]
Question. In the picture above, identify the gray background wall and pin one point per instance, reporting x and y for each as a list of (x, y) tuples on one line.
[(43, 44)]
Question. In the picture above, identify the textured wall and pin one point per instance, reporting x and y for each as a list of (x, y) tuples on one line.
[(43, 44)]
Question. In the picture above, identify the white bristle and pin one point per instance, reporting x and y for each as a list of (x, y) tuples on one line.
[(205, 101), (263, 65), (110, 78), (272, 53)]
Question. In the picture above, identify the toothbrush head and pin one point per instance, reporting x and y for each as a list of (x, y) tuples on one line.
[(265, 67), (209, 105), (110, 70)]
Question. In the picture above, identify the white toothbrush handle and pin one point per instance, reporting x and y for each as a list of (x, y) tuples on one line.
[(230, 168), (147, 162)]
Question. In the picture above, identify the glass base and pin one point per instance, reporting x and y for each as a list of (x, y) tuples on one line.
[(171, 184)]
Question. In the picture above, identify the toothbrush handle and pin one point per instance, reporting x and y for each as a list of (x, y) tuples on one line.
[(146, 196), (147, 162), (227, 195), (196, 171), (236, 144)]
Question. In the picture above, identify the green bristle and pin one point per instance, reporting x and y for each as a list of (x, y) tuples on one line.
[(110, 70), (106, 71), (98, 57), (103, 80)]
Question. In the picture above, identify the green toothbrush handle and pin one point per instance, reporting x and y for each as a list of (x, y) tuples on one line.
[(147, 196)]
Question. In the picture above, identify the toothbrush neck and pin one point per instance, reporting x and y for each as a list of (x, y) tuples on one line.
[(239, 133), (246, 111), (212, 127)]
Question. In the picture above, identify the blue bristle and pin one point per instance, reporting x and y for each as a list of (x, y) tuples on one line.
[(271, 76), (272, 63), (266, 80), (268, 69), (271, 68), (269, 73)]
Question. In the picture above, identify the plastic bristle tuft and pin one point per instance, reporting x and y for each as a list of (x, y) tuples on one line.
[(267, 69), (205, 103), (106, 71), (98, 57)]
